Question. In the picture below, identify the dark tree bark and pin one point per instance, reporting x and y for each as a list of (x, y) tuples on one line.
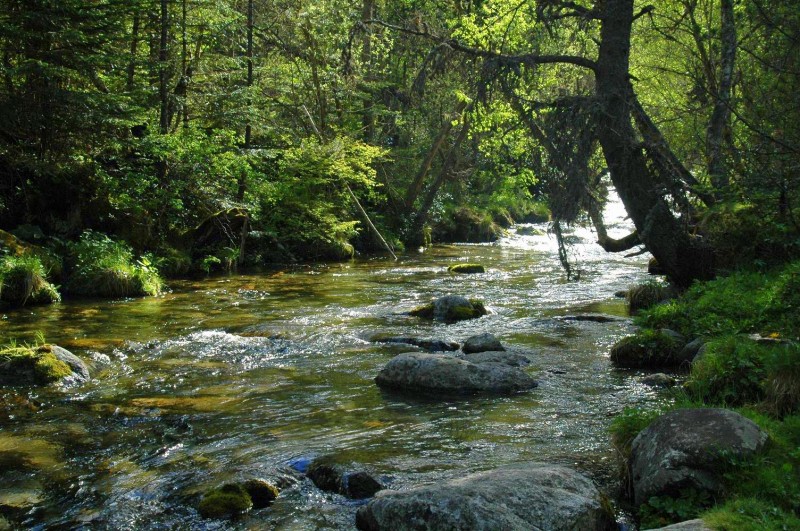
[(131, 74), (721, 115), (664, 236), (163, 93)]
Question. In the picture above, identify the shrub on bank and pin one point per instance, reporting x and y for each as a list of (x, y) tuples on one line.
[(102, 267), (23, 281)]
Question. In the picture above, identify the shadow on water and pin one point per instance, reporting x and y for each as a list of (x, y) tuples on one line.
[(236, 377)]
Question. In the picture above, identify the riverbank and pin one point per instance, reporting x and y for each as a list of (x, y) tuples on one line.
[(748, 325)]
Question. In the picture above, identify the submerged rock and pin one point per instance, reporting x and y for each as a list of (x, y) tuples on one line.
[(430, 345), (225, 502), (527, 496), (331, 477), (688, 448), (437, 373), (466, 269), (261, 492), (451, 308), (482, 343)]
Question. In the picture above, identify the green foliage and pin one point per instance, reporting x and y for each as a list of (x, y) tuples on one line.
[(647, 348), (663, 510), (744, 302), (102, 267), (628, 424), (731, 372), (783, 379), (23, 280), (646, 295), (750, 514)]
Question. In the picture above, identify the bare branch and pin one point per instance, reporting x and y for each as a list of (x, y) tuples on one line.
[(499, 58)]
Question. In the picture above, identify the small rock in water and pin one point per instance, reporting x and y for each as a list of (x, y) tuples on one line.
[(261, 492), (482, 343), (334, 478)]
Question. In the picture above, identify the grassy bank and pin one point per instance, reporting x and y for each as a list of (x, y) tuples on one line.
[(750, 323)]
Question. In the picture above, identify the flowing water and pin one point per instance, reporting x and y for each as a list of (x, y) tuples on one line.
[(238, 377)]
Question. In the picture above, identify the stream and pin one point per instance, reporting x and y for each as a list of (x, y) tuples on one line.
[(239, 376)]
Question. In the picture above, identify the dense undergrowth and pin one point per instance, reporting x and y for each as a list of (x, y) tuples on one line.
[(750, 321)]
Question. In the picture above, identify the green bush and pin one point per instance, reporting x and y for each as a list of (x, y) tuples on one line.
[(102, 267), (646, 296), (23, 280), (783, 380), (731, 372)]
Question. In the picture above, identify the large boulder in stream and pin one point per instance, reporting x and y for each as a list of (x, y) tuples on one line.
[(442, 374), (451, 308), (688, 448), (531, 496)]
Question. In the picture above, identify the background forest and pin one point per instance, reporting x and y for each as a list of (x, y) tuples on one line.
[(211, 133)]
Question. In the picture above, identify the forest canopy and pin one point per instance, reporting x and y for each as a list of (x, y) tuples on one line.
[(214, 132)]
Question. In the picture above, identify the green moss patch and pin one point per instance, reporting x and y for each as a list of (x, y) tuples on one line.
[(225, 502), (648, 349), (466, 269), (31, 365)]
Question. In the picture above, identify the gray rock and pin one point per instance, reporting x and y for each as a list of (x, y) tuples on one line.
[(686, 448), (331, 477), (79, 368), (690, 525), (530, 496), (449, 308), (690, 350), (659, 379), (482, 343), (439, 373), (513, 359), (430, 345), (592, 318)]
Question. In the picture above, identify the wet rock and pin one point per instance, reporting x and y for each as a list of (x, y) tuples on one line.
[(688, 448), (261, 492), (531, 231), (591, 318), (430, 345), (659, 379), (650, 349), (514, 359), (334, 478), (654, 268), (225, 502), (467, 269), (690, 525), (437, 373), (527, 496), (451, 308), (482, 343), (40, 365)]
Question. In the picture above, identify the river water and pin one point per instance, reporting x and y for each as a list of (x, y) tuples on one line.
[(236, 377)]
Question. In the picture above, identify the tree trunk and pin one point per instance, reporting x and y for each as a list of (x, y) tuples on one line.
[(131, 74), (163, 93), (636, 185), (419, 179), (721, 115), (447, 168)]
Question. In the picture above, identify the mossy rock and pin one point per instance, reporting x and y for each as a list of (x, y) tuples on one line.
[(114, 283), (451, 308), (227, 501), (261, 493), (647, 295), (466, 269), (649, 349), (31, 366)]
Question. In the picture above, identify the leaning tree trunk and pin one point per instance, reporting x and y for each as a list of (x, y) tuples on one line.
[(659, 230)]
